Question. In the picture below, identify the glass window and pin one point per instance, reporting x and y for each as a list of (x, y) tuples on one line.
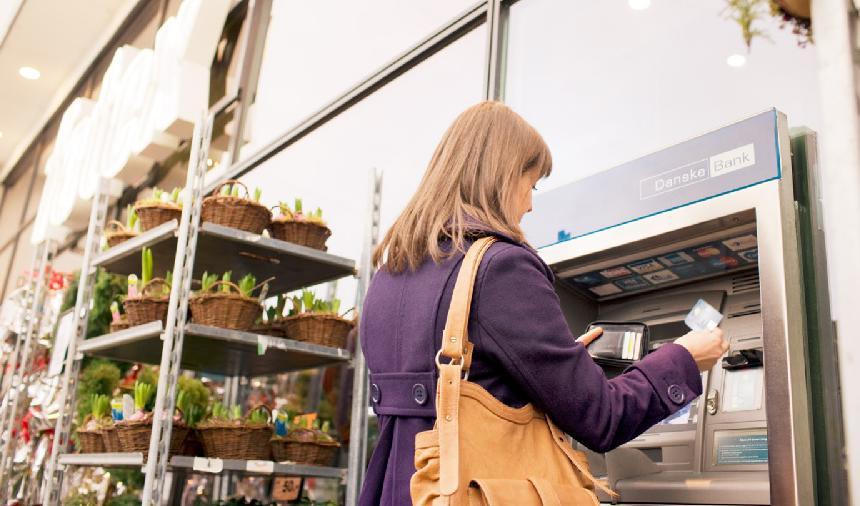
[(607, 92), (317, 50), (394, 130)]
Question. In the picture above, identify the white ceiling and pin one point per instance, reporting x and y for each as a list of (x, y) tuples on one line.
[(58, 38)]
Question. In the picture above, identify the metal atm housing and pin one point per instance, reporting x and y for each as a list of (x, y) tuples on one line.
[(747, 439)]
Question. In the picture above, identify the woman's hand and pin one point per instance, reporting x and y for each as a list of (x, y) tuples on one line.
[(706, 347), (589, 336)]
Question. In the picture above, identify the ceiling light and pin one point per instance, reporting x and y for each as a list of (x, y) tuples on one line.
[(29, 73), (639, 5), (736, 60), (1, 135)]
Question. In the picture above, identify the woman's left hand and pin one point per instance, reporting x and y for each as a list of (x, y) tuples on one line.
[(589, 336)]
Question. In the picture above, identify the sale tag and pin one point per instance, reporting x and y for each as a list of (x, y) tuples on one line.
[(286, 488), (260, 466), (205, 465)]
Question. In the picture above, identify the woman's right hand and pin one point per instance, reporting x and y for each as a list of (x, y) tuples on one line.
[(706, 347)]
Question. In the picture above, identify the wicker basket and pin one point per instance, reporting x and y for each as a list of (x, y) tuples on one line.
[(325, 329), (111, 439), (91, 441), (227, 440), (116, 233), (225, 310), (153, 214), (134, 436), (147, 308), (122, 324), (305, 233), (275, 329), (315, 453), (235, 212)]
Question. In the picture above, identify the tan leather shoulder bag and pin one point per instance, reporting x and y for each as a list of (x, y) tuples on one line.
[(480, 451)]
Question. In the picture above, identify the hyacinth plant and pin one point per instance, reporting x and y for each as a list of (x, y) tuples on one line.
[(136, 285), (143, 393), (160, 196), (132, 221), (296, 213), (232, 190), (99, 412), (246, 284), (308, 303)]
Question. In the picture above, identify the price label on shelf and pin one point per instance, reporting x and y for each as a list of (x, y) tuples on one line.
[(260, 466), (204, 465)]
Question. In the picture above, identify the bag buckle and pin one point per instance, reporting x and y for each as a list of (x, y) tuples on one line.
[(454, 361)]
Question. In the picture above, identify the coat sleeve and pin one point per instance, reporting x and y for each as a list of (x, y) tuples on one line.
[(522, 328)]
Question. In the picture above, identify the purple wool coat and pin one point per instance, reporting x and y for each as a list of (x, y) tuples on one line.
[(524, 352)]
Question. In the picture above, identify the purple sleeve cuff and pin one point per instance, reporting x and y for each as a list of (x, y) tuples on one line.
[(674, 375)]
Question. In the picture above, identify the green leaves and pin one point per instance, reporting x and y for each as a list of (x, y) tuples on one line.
[(297, 214), (99, 406), (131, 218), (142, 393), (220, 412), (258, 416), (226, 278), (258, 192), (145, 266), (207, 281), (308, 303), (247, 284), (235, 412)]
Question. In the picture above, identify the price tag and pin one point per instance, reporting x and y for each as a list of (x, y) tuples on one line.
[(205, 465), (286, 488), (260, 466)]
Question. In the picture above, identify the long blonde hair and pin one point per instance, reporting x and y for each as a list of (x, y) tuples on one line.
[(472, 176)]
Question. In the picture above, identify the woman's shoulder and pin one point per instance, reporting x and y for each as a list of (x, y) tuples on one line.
[(509, 259)]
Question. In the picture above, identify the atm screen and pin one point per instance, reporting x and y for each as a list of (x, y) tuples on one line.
[(668, 268)]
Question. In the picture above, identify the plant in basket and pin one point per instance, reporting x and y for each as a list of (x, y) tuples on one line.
[(295, 226), (229, 435), (118, 232), (227, 206), (90, 434), (134, 431), (118, 321), (303, 441), (147, 297), (317, 321), (226, 304), (159, 208), (272, 325)]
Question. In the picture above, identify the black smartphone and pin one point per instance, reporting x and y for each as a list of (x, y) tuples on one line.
[(621, 344)]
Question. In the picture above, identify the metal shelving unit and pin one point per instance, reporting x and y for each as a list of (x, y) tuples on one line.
[(183, 345), (215, 350)]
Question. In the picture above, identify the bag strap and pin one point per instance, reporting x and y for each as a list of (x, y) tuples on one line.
[(456, 346), (455, 336)]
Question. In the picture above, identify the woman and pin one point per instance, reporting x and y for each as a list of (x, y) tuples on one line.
[(479, 182)]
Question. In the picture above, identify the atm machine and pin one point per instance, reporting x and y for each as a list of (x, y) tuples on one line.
[(713, 218)]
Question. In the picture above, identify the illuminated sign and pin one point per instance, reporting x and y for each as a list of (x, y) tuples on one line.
[(149, 99)]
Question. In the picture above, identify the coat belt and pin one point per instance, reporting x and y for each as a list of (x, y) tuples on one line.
[(404, 394)]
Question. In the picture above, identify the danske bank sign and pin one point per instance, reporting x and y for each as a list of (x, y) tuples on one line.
[(698, 171)]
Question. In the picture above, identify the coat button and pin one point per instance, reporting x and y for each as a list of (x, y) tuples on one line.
[(676, 394), (374, 393), (419, 394)]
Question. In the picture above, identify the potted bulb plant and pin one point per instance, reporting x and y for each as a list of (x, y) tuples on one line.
[(159, 208), (226, 206), (147, 298), (134, 431), (295, 226), (118, 232), (305, 442), (226, 434), (226, 304), (317, 321), (90, 434)]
